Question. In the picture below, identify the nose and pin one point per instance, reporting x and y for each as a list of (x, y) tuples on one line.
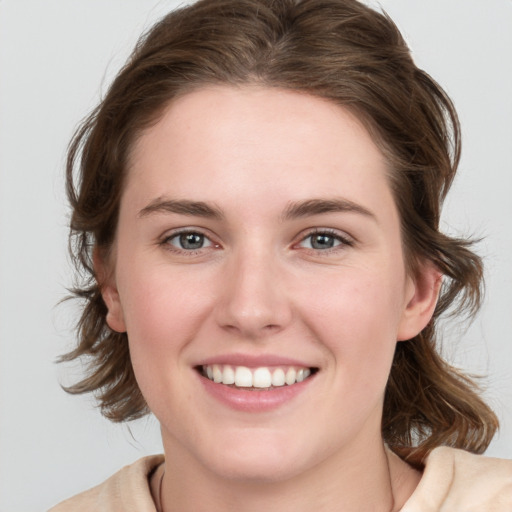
[(253, 302)]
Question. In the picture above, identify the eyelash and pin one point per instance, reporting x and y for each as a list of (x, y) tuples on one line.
[(343, 242), (166, 242)]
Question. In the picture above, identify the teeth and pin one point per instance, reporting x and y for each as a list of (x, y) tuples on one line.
[(263, 377), (217, 373), (243, 377), (278, 378), (302, 374), (228, 375), (290, 376)]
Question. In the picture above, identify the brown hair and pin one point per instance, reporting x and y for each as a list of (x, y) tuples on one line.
[(335, 49)]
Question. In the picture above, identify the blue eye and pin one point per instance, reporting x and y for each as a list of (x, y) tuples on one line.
[(189, 241), (322, 241)]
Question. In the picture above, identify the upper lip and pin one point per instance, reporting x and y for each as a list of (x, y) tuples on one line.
[(254, 361)]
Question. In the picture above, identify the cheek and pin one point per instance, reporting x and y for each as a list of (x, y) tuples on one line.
[(356, 316), (161, 321), (163, 312), (160, 301), (356, 302)]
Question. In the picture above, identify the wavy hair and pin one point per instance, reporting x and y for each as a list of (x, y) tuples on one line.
[(353, 56)]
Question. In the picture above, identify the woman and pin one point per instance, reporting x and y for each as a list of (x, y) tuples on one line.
[(258, 205)]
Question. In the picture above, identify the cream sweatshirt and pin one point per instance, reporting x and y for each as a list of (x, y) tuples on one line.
[(453, 481)]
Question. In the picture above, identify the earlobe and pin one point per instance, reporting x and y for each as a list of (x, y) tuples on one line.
[(422, 294), (115, 317), (109, 293)]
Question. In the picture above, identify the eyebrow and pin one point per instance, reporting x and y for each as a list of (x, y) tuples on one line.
[(294, 210), (319, 206), (182, 207)]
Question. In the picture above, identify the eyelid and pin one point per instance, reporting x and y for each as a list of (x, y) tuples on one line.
[(177, 237), (164, 240), (345, 239)]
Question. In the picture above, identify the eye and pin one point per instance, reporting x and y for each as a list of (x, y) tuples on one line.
[(324, 240), (189, 241)]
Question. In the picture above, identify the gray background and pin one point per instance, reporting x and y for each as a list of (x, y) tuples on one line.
[(56, 57)]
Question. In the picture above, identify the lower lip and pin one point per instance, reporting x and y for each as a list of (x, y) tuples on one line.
[(254, 400)]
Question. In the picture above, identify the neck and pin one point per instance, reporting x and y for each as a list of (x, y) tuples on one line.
[(353, 481)]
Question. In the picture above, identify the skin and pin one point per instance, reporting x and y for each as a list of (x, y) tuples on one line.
[(260, 286)]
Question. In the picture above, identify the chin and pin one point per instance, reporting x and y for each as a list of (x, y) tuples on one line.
[(254, 458)]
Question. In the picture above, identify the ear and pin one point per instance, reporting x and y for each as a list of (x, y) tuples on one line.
[(106, 281), (422, 292)]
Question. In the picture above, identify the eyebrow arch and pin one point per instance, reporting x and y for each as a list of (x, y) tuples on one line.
[(181, 207), (318, 206)]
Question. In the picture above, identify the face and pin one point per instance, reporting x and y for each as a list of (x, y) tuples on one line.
[(258, 271)]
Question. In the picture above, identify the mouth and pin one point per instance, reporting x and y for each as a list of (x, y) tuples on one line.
[(262, 378)]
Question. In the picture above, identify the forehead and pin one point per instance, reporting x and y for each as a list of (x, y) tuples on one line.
[(267, 141)]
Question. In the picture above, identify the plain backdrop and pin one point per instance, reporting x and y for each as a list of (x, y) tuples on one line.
[(56, 58)]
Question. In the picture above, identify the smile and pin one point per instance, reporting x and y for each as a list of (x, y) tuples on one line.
[(261, 378)]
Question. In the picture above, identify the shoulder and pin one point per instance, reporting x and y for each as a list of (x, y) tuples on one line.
[(458, 480), (126, 490)]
